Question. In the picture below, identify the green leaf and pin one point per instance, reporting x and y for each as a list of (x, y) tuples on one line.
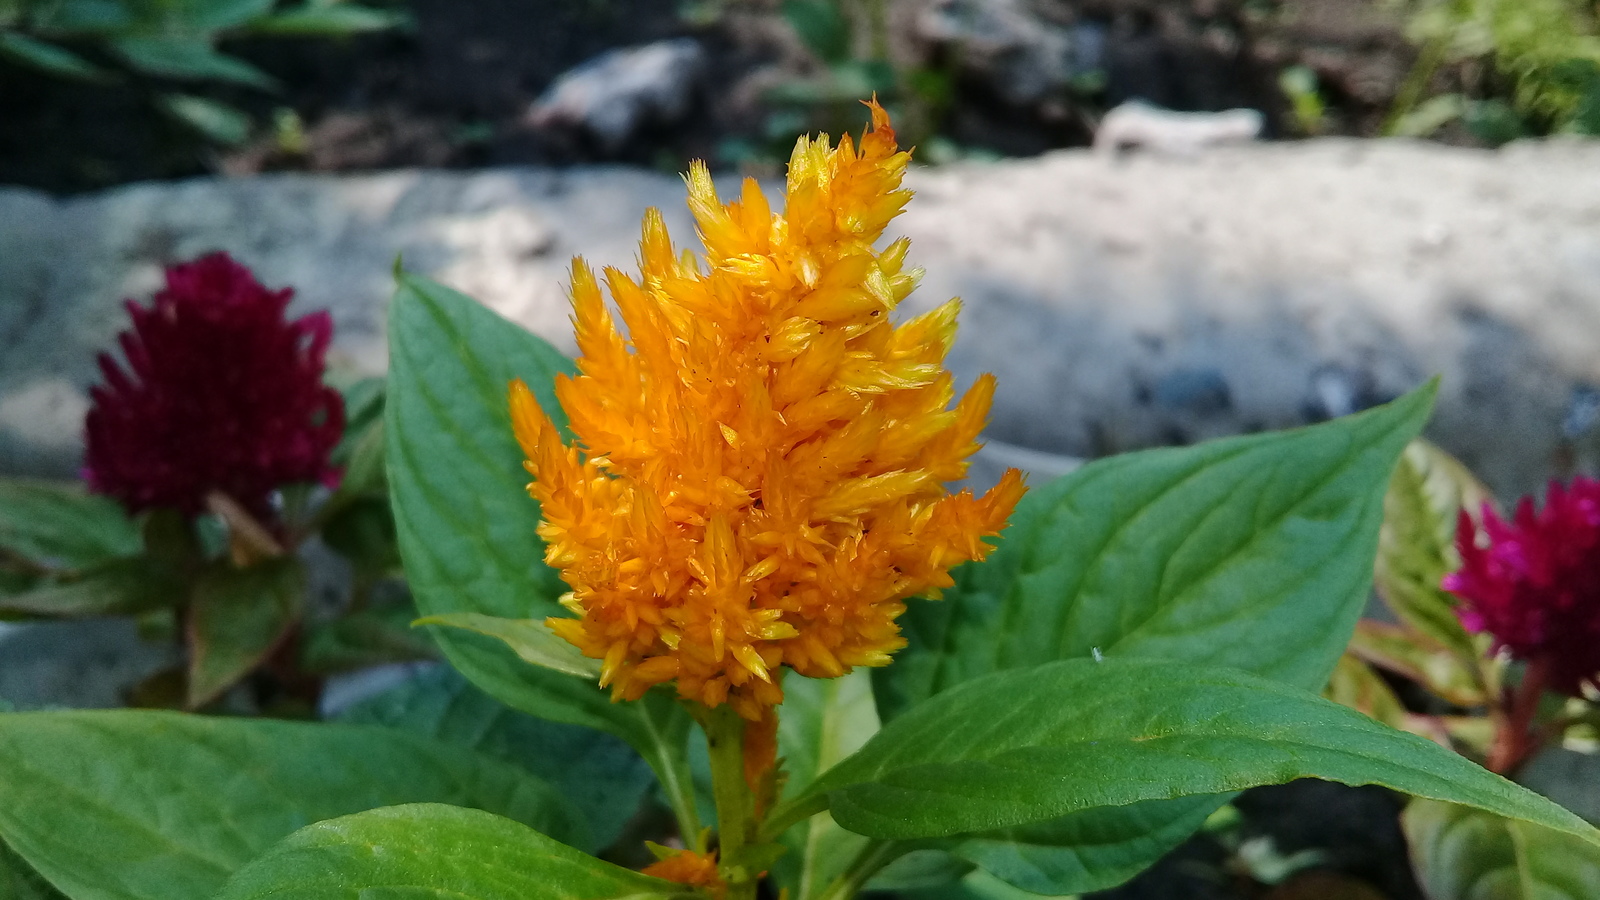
[(1429, 116), (236, 618), (468, 530), (18, 880), (1088, 850), (1464, 854), (329, 21), (213, 15), (1254, 552), (1449, 673), (1027, 746), (1495, 122), (427, 850), (365, 472), (47, 57), (363, 408), (85, 18), (190, 58), (138, 805), (821, 722), (821, 26), (59, 525), (376, 635), (598, 773), (1416, 546), (120, 587), (218, 121), (1356, 685), (531, 639)]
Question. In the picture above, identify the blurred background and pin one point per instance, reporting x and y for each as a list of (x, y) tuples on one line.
[(95, 93)]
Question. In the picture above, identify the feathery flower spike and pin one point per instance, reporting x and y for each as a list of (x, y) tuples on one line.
[(1534, 583), (221, 393), (758, 475)]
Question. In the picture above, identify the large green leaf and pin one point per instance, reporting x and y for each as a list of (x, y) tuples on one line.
[(18, 880), (1254, 552), (600, 774), (1027, 746), (468, 530), (1464, 854), (59, 525), (138, 805), (1087, 850), (431, 851), (236, 618)]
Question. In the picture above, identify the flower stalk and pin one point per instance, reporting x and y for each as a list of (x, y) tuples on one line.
[(736, 823), (1515, 737)]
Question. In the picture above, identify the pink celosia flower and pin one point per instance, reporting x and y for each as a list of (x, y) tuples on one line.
[(1534, 585), (221, 393)]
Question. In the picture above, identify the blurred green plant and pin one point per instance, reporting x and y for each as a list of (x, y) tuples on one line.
[(1536, 62), (1300, 85), (172, 41), (849, 40)]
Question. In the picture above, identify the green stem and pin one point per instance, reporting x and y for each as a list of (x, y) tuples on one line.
[(664, 747), (878, 25), (735, 805), (672, 771), (1416, 83), (869, 862)]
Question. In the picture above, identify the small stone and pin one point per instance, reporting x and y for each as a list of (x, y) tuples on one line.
[(1136, 124)]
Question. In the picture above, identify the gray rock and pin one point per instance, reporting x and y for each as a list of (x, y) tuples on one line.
[(1569, 777), (1122, 303), (615, 94), (84, 664), (1021, 56)]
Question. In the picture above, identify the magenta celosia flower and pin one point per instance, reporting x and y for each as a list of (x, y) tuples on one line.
[(1534, 585), (221, 393)]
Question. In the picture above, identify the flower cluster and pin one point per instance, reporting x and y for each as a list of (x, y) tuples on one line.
[(759, 475), (1534, 582), (220, 393)]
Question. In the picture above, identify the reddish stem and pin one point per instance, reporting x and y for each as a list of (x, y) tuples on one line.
[(1514, 739)]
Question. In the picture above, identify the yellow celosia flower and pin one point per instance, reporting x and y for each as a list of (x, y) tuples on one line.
[(761, 466)]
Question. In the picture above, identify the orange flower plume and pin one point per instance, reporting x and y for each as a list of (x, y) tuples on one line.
[(686, 867), (760, 479)]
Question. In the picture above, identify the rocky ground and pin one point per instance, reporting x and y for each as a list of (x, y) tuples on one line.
[(1123, 301)]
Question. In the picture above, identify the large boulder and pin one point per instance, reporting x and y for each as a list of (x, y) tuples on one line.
[(1122, 301)]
